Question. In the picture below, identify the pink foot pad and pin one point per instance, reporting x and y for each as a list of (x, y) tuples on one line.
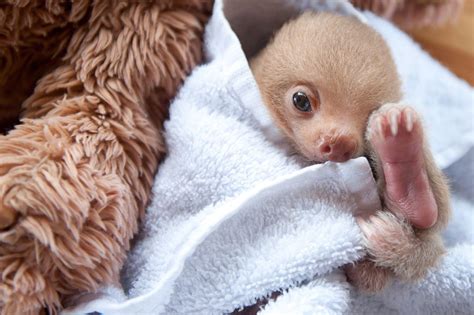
[(396, 135)]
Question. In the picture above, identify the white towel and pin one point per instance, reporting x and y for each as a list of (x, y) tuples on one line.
[(234, 218)]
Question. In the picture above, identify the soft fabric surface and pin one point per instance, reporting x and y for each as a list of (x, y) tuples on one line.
[(235, 216), (92, 80)]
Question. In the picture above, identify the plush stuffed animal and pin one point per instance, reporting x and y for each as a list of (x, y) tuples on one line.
[(76, 171), (414, 13)]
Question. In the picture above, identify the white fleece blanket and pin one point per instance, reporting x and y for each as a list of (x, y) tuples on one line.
[(235, 216)]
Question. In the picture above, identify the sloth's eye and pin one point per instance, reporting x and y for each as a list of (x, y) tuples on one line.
[(301, 102)]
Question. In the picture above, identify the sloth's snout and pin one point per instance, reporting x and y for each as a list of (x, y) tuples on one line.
[(337, 149)]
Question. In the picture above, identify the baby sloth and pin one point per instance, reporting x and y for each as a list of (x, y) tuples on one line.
[(332, 87)]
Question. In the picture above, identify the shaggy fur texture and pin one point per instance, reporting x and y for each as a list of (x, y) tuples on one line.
[(414, 13), (75, 174)]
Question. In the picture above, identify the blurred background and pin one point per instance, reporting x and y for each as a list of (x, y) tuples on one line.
[(452, 45)]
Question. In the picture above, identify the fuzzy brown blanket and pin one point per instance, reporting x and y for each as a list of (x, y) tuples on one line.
[(75, 173)]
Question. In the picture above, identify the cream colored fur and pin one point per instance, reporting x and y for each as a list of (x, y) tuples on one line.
[(351, 67)]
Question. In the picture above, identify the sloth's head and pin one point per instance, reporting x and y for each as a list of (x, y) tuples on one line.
[(321, 76)]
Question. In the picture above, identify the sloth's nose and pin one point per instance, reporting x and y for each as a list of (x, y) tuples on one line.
[(340, 149)]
